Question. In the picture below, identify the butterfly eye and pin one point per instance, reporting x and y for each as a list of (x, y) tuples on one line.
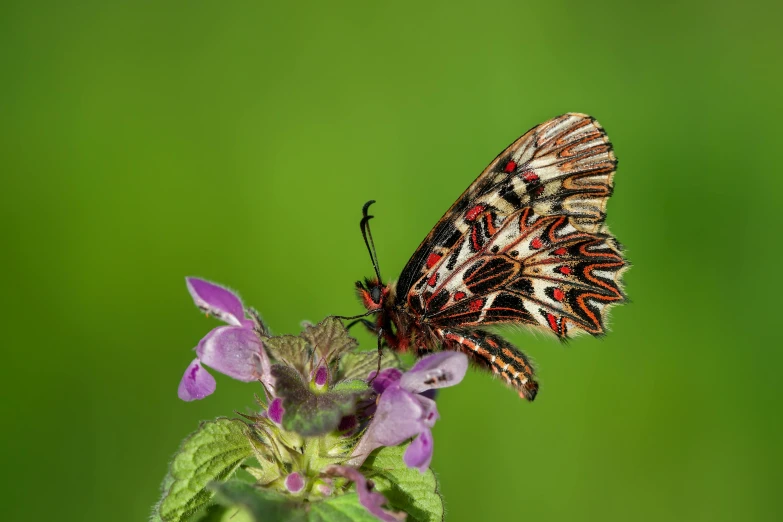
[(375, 294)]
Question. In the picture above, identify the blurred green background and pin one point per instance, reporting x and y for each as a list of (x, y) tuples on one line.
[(141, 142)]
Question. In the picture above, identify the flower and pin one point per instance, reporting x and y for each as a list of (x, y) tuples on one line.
[(234, 350), (371, 500), (403, 412)]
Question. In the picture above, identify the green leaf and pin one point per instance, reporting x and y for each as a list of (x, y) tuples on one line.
[(213, 452), (218, 513), (289, 349), (329, 338), (345, 508), (261, 505), (351, 386), (309, 413), (265, 472), (405, 488), (358, 365)]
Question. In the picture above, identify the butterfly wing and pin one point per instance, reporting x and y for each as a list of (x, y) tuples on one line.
[(562, 167), (526, 242), (534, 270)]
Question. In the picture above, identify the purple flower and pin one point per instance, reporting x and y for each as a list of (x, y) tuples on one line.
[(233, 350), (403, 412), (371, 500)]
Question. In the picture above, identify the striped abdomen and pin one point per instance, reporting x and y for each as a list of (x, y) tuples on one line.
[(496, 354)]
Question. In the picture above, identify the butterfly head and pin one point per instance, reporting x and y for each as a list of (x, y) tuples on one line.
[(373, 293)]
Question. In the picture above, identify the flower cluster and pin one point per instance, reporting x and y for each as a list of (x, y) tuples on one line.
[(326, 411)]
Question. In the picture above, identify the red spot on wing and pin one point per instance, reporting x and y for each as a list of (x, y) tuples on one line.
[(433, 279), (530, 176), (552, 322), (476, 304), (560, 251), (536, 243), (459, 295), (511, 166), (433, 259), (558, 294), (473, 213), (564, 270)]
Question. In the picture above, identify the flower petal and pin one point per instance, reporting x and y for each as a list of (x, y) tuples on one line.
[(438, 370), (234, 351), (419, 453), (384, 379), (196, 384), (397, 418), (371, 500), (429, 410), (218, 301)]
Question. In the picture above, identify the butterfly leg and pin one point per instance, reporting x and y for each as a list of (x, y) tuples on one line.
[(380, 355), (368, 324), (496, 354)]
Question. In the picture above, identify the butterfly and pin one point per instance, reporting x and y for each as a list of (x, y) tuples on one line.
[(525, 244)]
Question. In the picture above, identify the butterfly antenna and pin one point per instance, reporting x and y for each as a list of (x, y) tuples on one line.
[(367, 235)]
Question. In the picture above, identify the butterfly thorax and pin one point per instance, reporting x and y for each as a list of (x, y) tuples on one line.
[(402, 330)]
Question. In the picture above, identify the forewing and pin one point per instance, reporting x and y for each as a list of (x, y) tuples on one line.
[(531, 269), (561, 167)]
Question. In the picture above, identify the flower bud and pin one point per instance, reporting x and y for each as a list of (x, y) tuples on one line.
[(294, 482)]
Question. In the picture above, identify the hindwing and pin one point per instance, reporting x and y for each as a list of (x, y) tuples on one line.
[(535, 270)]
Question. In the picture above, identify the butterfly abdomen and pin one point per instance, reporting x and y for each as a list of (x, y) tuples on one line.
[(497, 355)]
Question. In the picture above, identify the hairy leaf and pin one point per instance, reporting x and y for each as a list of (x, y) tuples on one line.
[(219, 513), (350, 386), (213, 452), (261, 505), (345, 508), (329, 338), (288, 349), (359, 365), (405, 488)]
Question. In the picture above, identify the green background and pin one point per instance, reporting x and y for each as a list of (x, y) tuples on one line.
[(141, 142)]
